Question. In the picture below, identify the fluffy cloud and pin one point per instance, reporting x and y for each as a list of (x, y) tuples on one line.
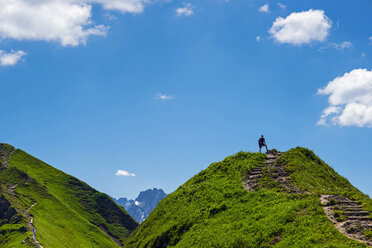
[(67, 22), (350, 99), (264, 8), (11, 58), (163, 97), (187, 10), (124, 173), (301, 27), (258, 38)]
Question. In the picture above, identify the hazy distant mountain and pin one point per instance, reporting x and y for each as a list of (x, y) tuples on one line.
[(142, 206)]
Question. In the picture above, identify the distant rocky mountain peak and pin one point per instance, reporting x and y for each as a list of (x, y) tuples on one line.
[(142, 206)]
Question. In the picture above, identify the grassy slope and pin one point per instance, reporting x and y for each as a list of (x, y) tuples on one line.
[(12, 227), (68, 211), (213, 210), (312, 174)]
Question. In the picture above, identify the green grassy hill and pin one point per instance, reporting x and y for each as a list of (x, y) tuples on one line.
[(65, 211), (246, 200), (213, 209)]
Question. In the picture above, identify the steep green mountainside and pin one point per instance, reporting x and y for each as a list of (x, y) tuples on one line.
[(213, 209), (65, 211)]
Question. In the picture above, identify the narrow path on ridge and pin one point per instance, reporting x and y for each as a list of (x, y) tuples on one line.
[(276, 172), (29, 217), (12, 188), (348, 217), (7, 156), (252, 181), (30, 225)]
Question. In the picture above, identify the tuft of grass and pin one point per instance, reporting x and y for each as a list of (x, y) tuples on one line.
[(339, 215), (332, 202), (368, 234)]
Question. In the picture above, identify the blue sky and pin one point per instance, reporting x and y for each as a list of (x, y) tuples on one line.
[(161, 89)]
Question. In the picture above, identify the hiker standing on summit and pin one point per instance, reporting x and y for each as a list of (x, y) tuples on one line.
[(262, 142)]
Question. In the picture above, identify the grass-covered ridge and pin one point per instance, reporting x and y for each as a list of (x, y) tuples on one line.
[(213, 210), (312, 174), (68, 212)]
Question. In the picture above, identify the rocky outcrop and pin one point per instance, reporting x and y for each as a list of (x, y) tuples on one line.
[(6, 211), (142, 206), (5, 152)]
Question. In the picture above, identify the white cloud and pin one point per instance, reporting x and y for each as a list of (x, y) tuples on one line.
[(67, 22), (124, 173), (363, 54), (11, 58), (343, 45), (187, 10), (264, 8), (282, 6), (258, 38), (163, 97), (350, 99), (301, 27), (338, 46), (327, 112)]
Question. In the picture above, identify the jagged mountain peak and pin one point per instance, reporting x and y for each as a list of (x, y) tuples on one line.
[(144, 203)]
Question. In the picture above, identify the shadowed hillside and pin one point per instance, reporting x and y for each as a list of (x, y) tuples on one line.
[(65, 211), (254, 200)]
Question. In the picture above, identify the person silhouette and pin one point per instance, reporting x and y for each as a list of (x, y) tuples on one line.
[(262, 142)]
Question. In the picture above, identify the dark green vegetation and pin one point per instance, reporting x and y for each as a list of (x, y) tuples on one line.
[(213, 210), (66, 211)]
